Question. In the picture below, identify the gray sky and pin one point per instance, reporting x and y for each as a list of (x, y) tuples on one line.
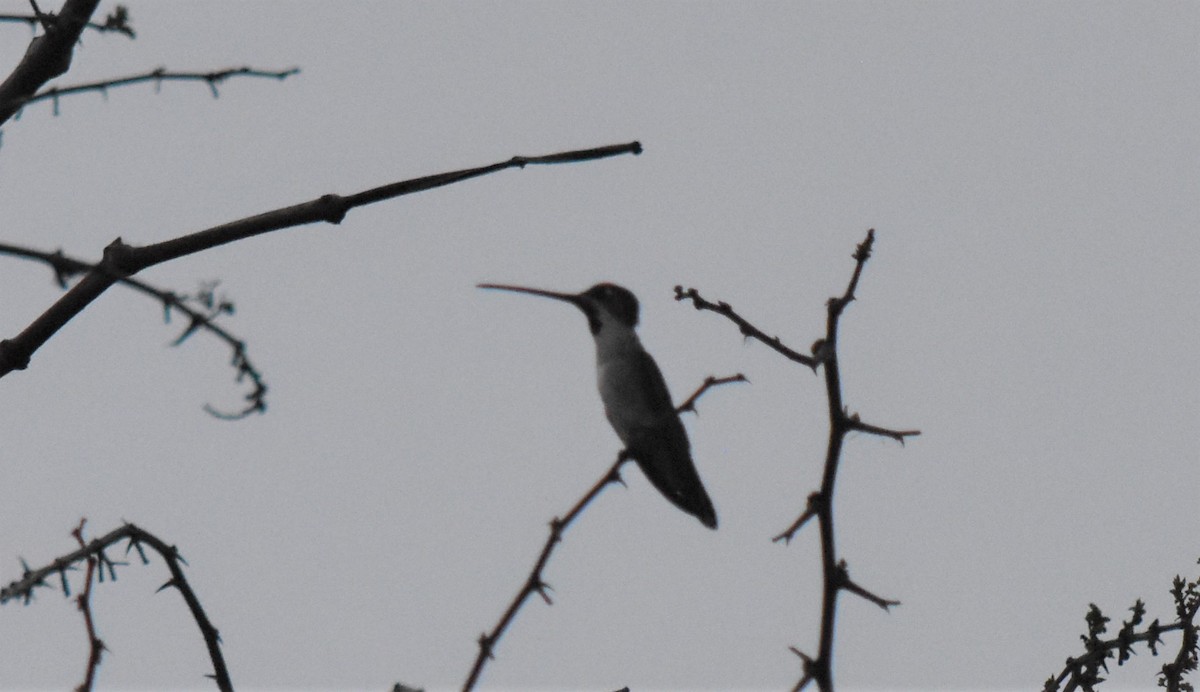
[(1033, 173)]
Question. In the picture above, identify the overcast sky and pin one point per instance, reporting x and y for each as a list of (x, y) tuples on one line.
[(1033, 173)]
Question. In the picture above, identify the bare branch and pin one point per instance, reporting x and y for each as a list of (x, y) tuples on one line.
[(158, 76), (137, 538), (47, 57), (748, 330), (121, 260)]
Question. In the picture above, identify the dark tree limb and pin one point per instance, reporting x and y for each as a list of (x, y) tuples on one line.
[(121, 260), (48, 55), (66, 267), (23, 588), (534, 582)]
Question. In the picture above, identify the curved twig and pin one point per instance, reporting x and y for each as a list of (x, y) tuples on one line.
[(66, 267)]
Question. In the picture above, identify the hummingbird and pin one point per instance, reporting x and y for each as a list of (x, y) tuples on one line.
[(635, 396)]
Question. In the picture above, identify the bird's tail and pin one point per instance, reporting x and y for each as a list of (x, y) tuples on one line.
[(669, 468)]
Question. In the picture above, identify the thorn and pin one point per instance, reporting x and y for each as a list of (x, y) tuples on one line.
[(541, 587)]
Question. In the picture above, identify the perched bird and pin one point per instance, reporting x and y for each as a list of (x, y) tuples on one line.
[(635, 396)]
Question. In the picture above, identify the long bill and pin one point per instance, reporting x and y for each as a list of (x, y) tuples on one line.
[(568, 297)]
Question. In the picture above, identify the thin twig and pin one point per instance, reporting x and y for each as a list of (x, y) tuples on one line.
[(23, 588), (121, 260), (158, 76), (534, 582)]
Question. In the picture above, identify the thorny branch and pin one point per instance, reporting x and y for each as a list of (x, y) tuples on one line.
[(832, 567), (121, 260), (534, 582), (158, 76), (820, 503), (66, 267), (23, 588)]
